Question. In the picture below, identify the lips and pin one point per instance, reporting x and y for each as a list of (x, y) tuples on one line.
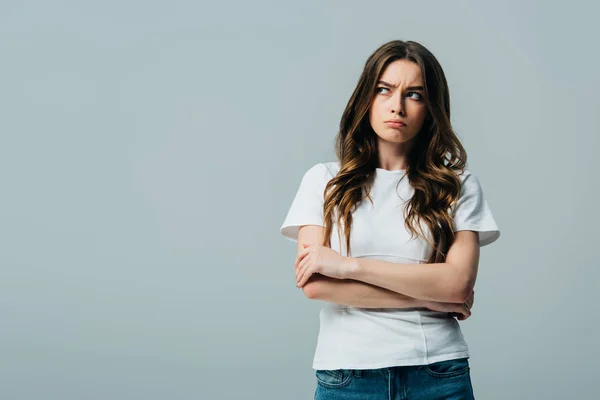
[(395, 123)]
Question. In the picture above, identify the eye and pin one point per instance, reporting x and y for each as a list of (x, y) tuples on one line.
[(420, 97), (381, 87)]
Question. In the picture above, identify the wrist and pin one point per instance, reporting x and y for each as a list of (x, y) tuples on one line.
[(351, 267)]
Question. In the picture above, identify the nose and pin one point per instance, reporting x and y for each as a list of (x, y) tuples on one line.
[(398, 105)]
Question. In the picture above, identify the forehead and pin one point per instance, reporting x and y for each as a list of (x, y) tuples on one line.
[(402, 72)]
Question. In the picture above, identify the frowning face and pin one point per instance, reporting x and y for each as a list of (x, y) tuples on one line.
[(399, 96)]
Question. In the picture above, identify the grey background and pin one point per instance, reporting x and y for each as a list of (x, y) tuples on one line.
[(150, 151)]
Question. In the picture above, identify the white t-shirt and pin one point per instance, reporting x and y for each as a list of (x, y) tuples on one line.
[(368, 338)]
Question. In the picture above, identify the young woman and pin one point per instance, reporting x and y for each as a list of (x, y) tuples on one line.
[(389, 237)]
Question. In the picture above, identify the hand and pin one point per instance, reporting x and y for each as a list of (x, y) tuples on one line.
[(316, 258), (460, 311)]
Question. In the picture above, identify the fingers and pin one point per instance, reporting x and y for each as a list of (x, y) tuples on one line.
[(303, 272), (468, 303), (299, 258), (300, 270), (466, 311), (470, 298), (463, 312), (305, 275)]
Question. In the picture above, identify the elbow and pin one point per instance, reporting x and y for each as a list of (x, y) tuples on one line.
[(460, 296), (310, 290), (463, 292), (316, 287)]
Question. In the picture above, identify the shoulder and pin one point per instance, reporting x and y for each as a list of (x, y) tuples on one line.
[(322, 172), (331, 168), (471, 189), (464, 173), (468, 180)]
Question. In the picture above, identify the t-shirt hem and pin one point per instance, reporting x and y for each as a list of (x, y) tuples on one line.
[(490, 233), (392, 362)]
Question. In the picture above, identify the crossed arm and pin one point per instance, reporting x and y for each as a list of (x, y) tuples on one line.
[(355, 293), (380, 284)]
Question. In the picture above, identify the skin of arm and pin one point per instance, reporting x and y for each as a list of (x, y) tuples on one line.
[(356, 294), (348, 292), (451, 281)]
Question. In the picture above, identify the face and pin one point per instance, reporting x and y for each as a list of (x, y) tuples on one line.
[(399, 95)]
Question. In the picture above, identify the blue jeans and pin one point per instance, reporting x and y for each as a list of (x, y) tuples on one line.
[(448, 380)]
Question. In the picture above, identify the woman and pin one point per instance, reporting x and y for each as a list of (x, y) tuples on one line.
[(389, 237)]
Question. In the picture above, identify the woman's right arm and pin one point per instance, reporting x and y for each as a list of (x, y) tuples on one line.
[(363, 295), (356, 293)]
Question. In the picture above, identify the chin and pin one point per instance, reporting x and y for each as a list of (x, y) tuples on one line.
[(394, 139), (395, 135)]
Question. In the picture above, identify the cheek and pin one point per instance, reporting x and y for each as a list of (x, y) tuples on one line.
[(418, 113), (417, 119)]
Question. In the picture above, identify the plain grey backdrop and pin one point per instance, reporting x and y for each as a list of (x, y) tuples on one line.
[(150, 151)]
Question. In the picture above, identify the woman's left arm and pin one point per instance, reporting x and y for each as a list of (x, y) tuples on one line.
[(451, 281)]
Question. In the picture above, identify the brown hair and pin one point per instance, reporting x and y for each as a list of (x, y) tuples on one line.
[(432, 163)]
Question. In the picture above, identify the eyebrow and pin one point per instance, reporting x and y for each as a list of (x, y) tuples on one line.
[(394, 86)]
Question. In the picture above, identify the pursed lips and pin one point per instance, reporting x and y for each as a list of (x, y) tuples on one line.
[(395, 123)]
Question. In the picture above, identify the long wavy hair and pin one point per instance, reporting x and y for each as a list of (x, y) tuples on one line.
[(433, 162)]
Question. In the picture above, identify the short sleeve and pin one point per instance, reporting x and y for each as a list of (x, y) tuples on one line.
[(472, 211), (307, 206)]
